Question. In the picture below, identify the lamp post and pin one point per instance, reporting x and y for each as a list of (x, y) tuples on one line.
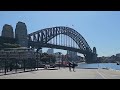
[(37, 60), (38, 55), (59, 59), (5, 62), (98, 65), (62, 59)]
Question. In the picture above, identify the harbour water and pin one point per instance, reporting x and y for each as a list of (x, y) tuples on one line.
[(99, 65)]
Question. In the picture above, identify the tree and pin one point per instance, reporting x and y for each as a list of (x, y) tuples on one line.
[(52, 58), (44, 57), (48, 58)]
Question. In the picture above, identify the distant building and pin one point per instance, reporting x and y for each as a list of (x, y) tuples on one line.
[(17, 53), (73, 55), (80, 59), (40, 51), (21, 34), (50, 51), (21, 53), (7, 31), (58, 56), (118, 55)]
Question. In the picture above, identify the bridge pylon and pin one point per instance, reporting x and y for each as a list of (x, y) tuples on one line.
[(91, 57)]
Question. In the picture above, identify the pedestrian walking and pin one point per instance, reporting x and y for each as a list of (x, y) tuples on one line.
[(73, 66), (70, 64)]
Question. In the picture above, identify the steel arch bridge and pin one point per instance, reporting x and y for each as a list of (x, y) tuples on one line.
[(42, 38)]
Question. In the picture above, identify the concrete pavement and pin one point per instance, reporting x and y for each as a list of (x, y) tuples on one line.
[(64, 73)]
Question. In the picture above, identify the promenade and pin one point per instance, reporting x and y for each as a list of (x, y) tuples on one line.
[(64, 73)]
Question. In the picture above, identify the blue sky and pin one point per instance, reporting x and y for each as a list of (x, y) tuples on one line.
[(99, 28)]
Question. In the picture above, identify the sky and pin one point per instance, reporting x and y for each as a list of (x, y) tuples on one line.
[(101, 29)]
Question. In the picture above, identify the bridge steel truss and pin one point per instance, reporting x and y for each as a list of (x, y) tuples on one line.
[(41, 38)]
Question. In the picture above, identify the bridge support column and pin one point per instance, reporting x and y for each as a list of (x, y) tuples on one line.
[(89, 58), (94, 54), (95, 58)]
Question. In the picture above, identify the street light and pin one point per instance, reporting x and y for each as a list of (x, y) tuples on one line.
[(62, 59), (38, 61), (59, 59)]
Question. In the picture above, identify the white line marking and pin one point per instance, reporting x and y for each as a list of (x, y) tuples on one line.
[(101, 74)]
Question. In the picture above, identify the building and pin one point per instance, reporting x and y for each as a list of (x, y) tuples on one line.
[(16, 53), (50, 51), (21, 34), (21, 53), (40, 51), (7, 31), (58, 56), (118, 55), (72, 55), (23, 57)]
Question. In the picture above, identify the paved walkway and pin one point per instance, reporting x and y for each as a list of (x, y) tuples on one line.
[(64, 73)]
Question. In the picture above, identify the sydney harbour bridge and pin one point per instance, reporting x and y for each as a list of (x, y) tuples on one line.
[(62, 37)]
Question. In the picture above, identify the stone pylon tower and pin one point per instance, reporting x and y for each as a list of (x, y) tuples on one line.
[(94, 54), (7, 31), (21, 34)]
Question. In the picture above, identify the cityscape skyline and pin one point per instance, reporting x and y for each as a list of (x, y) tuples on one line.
[(99, 28)]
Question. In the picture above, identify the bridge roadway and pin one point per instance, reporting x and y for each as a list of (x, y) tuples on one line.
[(64, 73)]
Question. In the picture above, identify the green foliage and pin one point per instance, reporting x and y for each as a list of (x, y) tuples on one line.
[(45, 59), (52, 58), (8, 45), (48, 58), (7, 40)]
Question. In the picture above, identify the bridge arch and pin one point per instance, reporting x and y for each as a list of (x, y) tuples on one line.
[(47, 34), (41, 38)]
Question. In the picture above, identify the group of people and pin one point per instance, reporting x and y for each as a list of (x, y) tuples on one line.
[(72, 65)]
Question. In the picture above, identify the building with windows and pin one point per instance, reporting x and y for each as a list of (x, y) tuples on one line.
[(7, 31), (21, 34), (18, 53)]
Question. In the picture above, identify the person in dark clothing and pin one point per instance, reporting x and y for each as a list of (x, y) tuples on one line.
[(73, 66), (69, 64), (11, 66)]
